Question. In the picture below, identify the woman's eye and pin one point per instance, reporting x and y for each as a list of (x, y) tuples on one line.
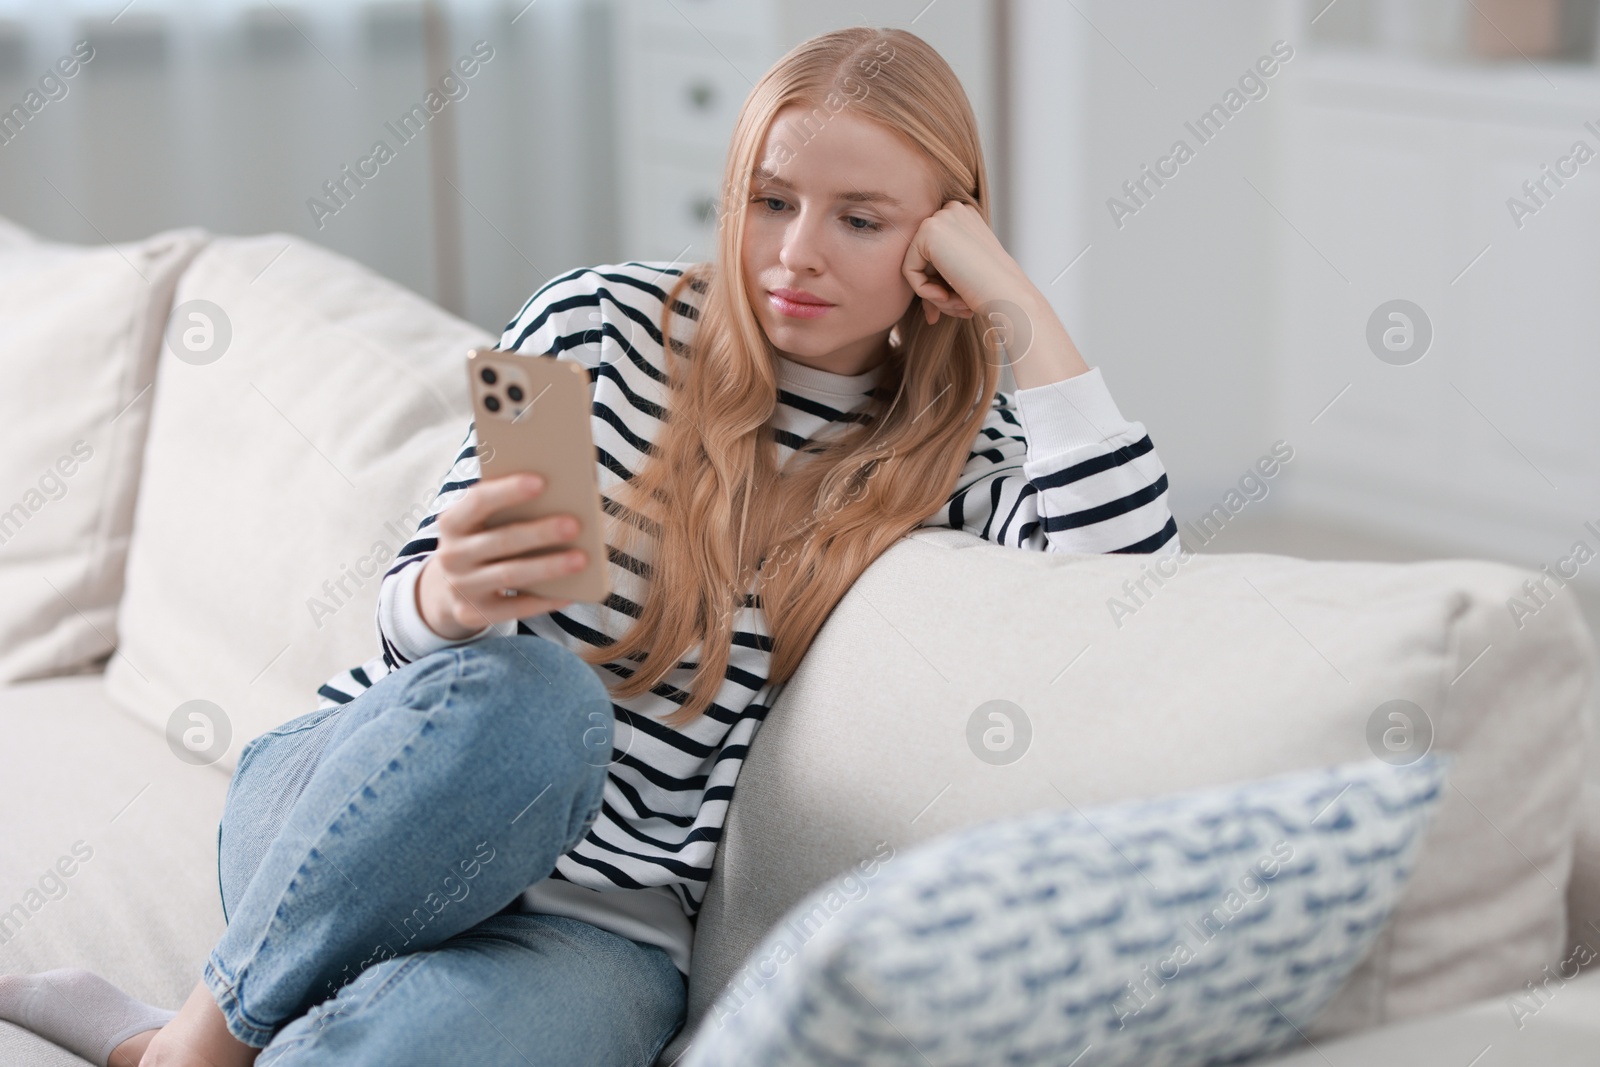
[(853, 222)]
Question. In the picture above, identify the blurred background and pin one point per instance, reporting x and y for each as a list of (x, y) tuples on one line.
[(1375, 250)]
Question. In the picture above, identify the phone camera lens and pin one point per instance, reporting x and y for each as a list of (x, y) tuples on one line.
[(514, 392), (487, 374), (492, 403)]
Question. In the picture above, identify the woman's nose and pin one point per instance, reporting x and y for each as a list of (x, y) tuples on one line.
[(801, 248)]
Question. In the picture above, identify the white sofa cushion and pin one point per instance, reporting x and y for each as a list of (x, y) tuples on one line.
[(1557, 1025), (80, 777), (1242, 666), (280, 480), (79, 330)]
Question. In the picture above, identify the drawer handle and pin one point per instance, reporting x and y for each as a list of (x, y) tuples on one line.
[(703, 209), (702, 95)]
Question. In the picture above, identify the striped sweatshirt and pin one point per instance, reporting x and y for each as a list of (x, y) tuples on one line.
[(1054, 468)]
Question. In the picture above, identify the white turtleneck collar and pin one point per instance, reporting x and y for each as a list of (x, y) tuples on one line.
[(813, 379)]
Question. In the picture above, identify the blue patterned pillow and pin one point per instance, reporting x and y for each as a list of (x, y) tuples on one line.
[(1196, 928)]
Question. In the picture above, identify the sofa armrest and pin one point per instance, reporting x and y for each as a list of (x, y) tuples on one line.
[(1229, 667)]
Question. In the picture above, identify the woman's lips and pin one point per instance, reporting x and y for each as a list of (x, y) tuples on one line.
[(795, 309)]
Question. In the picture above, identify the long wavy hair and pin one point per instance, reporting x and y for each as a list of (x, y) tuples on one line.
[(726, 519)]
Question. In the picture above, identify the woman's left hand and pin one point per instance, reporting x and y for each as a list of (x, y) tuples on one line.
[(956, 264)]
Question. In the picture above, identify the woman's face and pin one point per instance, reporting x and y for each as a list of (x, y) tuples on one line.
[(834, 204)]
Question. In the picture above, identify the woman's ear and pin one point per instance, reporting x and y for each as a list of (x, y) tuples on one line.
[(913, 306)]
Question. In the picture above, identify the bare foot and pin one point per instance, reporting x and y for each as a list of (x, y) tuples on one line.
[(196, 1037)]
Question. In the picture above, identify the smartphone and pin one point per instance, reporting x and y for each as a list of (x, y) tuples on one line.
[(532, 414)]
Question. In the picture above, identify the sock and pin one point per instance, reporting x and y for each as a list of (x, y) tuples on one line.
[(78, 1010)]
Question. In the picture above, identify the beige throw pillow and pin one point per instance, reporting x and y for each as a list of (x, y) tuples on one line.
[(80, 327), (293, 450)]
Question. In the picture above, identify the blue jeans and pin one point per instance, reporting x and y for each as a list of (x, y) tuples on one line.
[(371, 859)]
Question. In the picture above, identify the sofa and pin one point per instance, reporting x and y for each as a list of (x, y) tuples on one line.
[(214, 444)]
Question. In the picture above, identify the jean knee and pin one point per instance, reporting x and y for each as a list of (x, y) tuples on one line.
[(535, 658), (537, 697)]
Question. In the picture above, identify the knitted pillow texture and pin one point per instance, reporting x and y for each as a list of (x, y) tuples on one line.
[(1194, 928)]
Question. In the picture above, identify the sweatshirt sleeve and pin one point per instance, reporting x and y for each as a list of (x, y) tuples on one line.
[(404, 634), (1056, 468), (569, 317)]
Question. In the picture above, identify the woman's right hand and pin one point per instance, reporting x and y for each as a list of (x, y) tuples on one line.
[(458, 591)]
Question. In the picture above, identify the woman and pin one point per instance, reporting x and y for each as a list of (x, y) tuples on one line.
[(446, 862)]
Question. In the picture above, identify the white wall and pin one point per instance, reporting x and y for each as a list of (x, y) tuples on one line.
[(1175, 305), (1230, 309), (1048, 92)]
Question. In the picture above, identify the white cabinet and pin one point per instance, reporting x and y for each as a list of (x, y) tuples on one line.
[(1397, 176), (683, 69)]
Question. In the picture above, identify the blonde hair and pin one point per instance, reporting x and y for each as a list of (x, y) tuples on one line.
[(711, 489)]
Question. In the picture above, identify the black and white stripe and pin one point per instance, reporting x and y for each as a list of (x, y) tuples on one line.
[(667, 798), (1110, 496)]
